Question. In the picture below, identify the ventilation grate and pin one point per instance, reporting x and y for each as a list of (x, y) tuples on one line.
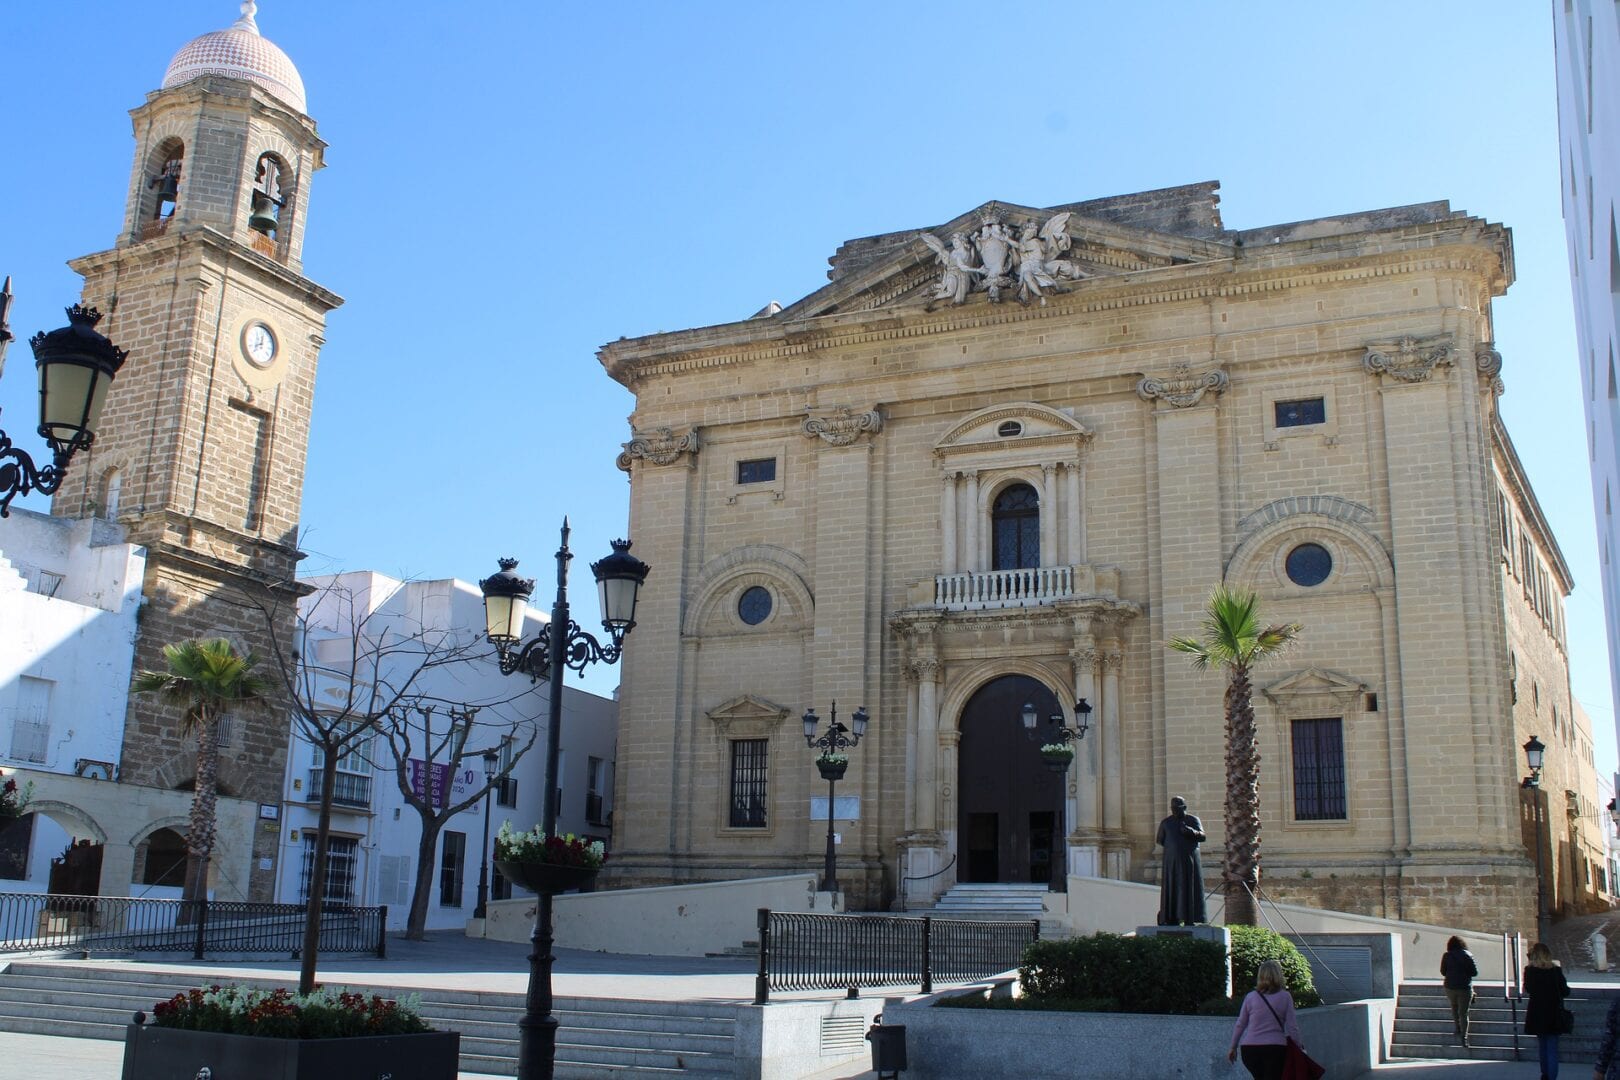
[(842, 1034)]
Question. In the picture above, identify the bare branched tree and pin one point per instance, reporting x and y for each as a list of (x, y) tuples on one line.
[(435, 735), (352, 664)]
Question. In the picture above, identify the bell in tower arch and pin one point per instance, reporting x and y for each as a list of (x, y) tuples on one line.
[(265, 214), (167, 182)]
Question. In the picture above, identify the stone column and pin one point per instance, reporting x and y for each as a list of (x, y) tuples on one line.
[(912, 715), (1049, 516), (1446, 762), (970, 557), (947, 524), (655, 728), (1085, 850), (844, 656), (927, 794), (1184, 454), (1113, 775), (1076, 553)]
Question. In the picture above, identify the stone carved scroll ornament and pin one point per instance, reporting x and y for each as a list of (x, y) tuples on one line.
[(1410, 359), (1182, 388), (661, 447), (843, 427)]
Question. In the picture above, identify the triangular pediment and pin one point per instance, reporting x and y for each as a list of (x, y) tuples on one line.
[(1314, 682), (1027, 424), (747, 716), (976, 258)]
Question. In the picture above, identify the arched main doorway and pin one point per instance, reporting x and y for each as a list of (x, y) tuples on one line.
[(1011, 806)]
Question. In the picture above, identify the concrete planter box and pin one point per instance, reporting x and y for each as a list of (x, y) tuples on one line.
[(154, 1053), (993, 1043)]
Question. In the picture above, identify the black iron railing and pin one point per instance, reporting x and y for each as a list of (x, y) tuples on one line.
[(48, 922), (348, 789), (804, 951)]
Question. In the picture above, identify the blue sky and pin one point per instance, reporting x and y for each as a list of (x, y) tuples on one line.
[(510, 185)]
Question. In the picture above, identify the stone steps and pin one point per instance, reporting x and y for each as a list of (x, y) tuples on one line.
[(1423, 1026), (597, 1037)]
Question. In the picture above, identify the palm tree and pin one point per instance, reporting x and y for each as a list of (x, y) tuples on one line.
[(205, 678), (1233, 640)]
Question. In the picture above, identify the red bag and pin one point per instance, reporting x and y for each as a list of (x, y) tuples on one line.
[(1298, 1065)]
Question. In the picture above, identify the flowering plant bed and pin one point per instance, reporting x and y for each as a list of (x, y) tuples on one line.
[(535, 846), (278, 1035)]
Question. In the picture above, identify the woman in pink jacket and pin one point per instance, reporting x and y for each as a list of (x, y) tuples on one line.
[(1265, 1024)]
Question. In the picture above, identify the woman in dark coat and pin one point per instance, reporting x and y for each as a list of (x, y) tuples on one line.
[(1546, 988), (1458, 969)]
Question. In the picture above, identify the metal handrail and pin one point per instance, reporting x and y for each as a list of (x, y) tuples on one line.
[(904, 892), (809, 951), (56, 922)]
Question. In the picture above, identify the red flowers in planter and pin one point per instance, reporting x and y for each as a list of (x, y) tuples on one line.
[(325, 1013)]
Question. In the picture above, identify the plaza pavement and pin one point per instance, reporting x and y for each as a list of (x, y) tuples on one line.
[(450, 961)]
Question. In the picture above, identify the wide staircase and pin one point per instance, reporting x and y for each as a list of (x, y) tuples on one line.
[(598, 1037), (1423, 1027), (997, 902)]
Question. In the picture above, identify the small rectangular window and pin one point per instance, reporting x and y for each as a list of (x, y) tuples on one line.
[(49, 584), (748, 772), (451, 869), (756, 471), (1319, 770), (1300, 412)]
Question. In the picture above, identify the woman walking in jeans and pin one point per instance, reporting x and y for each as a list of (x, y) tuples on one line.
[(1544, 1017)]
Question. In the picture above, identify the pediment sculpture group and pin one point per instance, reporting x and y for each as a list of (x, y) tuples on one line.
[(994, 259)]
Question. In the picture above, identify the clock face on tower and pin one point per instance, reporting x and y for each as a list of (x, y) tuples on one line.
[(259, 344)]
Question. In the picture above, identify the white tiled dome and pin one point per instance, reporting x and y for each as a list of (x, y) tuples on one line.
[(239, 53)]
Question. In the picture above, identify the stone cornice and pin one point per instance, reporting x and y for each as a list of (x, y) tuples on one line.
[(768, 340), (159, 249), (1513, 473)]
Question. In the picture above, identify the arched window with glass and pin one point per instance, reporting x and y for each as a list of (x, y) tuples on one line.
[(1015, 529)]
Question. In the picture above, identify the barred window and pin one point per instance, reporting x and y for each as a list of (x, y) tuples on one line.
[(1319, 770), (452, 867), (748, 764), (341, 853)]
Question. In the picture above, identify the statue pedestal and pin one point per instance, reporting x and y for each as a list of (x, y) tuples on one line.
[(1218, 934)]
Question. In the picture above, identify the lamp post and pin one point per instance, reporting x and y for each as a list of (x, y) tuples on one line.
[(76, 366), (832, 762), (1059, 735), (1534, 751), (560, 644), (492, 762)]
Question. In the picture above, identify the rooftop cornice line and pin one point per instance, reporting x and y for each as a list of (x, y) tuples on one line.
[(749, 341)]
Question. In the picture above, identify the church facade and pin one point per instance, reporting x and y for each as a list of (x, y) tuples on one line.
[(997, 463)]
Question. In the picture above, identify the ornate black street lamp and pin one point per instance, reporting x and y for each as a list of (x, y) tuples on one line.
[(1057, 742), (1534, 751), (492, 763), (832, 761), (1058, 745), (560, 644), (76, 366)]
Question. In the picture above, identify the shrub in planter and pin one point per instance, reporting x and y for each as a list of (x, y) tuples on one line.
[(324, 1013), (1167, 974), (1253, 946)]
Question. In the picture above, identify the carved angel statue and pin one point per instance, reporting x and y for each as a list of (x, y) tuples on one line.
[(1039, 262), (957, 278)]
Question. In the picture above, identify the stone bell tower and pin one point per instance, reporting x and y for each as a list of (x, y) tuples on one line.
[(201, 450)]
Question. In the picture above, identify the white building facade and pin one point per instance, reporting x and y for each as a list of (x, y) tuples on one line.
[(1586, 37), (376, 833)]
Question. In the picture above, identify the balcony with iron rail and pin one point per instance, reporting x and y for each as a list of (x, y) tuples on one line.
[(349, 790)]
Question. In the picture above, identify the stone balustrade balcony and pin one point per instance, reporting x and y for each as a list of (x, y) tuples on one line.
[(980, 590)]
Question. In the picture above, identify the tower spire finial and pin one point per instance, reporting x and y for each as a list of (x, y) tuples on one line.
[(249, 9)]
